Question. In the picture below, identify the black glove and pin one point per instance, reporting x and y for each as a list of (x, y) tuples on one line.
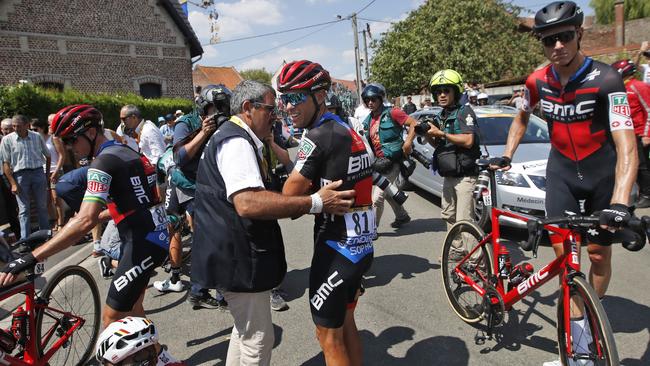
[(19, 265), (501, 162), (617, 215)]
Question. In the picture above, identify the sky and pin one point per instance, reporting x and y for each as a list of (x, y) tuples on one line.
[(332, 45)]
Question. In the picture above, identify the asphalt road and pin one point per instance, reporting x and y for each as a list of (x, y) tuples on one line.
[(404, 317)]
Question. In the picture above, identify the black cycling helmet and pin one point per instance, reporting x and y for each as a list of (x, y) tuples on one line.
[(556, 14), (332, 101), (374, 90), (217, 95)]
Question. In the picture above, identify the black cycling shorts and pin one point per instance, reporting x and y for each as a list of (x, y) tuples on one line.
[(565, 191), (333, 284), (138, 258)]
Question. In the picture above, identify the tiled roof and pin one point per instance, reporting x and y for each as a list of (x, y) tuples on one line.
[(350, 84), (205, 75)]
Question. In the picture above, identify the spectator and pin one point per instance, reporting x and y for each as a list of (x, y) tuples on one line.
[(23, 155), (385, 127), (457, 148), (167, 130), (141, 135), (161, 121), (482, 99), (517, 99), (427, 103), (409, 107), (8, 202), (236, 227), (638, 96), (54, 204), (645, 67), (472, 98), (178, 114)]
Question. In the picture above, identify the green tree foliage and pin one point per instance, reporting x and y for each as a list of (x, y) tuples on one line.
[(36, 102), (260, 75), (477, 38), (634, 9)]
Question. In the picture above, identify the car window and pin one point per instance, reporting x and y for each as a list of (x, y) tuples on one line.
[(494, 130)]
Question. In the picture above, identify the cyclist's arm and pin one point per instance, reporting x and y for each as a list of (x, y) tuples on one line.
[(516, 133), (627, 163)]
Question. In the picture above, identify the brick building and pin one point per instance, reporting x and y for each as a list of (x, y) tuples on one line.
[(145, 46)]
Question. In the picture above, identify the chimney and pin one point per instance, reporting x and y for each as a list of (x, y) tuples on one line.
[(619, 25)]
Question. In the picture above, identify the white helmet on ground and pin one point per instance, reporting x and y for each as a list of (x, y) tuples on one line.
[(124, 338)]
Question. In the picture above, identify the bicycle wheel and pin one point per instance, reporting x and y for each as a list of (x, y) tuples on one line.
[(71, 290), (596, 342), (464, 300)]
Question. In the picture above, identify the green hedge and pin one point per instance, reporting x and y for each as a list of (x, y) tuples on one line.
[(36, 102)]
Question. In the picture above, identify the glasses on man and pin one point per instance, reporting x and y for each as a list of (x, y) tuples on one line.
[(294, 98), (442, 90), (373, 99), (564, 37), (125, 117), (269, 107)]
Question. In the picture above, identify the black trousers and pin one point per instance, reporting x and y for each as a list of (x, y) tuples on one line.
[(643, 176), (9, 207)]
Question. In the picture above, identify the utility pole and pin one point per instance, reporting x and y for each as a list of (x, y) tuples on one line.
[(355, 34), (365, 53)]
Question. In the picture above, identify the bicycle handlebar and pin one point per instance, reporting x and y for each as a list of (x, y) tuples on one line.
[(638, 225)]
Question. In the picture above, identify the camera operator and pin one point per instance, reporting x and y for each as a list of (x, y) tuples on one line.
[(191, 133), (457, 147), (384, 132)]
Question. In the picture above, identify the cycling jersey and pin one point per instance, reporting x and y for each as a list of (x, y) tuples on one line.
[(638, 95), (581, 117), (125, 182), (343, 247)]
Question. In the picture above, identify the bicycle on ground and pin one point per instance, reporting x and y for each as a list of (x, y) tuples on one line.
[(479, 288), (59, 325)]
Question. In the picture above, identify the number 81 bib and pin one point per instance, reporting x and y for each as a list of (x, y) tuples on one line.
[(360, 229)]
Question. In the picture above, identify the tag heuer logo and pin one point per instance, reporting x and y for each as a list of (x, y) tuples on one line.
[(618, 104), (306, 148)]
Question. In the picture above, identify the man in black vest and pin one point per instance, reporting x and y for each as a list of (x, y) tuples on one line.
[(238, 245)]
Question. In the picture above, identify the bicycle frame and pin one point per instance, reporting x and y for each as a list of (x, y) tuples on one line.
[(34, 304)]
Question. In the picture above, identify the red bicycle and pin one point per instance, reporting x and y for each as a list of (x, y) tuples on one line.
[(58, 326), (480, 288)]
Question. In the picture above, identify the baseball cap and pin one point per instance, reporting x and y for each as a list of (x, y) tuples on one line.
[(161, 119)]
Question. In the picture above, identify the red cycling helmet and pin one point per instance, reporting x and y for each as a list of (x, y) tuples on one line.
[(73, 120), (303, 75), (625, 67)]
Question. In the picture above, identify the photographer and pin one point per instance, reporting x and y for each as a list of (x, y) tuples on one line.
[(457, 147), (384, 130), (191, 134)]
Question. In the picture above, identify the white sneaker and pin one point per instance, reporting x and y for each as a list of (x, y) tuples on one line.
[(167, 286), (571, 363)]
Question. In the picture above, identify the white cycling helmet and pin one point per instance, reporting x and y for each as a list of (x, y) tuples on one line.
[(124, 338), (472, 93), (482, 96)]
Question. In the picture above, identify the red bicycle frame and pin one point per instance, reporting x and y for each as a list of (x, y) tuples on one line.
[(33, 305)]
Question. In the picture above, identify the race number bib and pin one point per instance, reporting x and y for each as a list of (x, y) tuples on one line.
[(360, 223), (39, 268), (159, 216), (360, 230)]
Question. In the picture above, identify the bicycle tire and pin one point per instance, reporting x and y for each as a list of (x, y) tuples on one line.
[(599, 325), (469, 310), (76, 352)]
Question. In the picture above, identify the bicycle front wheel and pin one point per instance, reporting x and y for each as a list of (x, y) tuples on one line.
[(593, 343), (461, 239), (70, 293)]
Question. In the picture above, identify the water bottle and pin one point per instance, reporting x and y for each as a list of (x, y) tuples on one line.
[(482, 184), (520, 273), (19, 325), (504, 262)]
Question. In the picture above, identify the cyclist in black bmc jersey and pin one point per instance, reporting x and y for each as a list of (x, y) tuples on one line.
[(123, 181), (593, 155), (329, 151)]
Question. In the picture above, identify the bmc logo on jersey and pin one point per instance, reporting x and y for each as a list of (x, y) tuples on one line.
[(568, 110), (325, 290), (132, 273), (358, 163)]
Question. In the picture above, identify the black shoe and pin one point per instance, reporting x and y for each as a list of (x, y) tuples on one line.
[(643, 202), (399, 222), (105, 267), (207, 302)]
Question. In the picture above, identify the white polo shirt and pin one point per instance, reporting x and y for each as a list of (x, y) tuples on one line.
[(237, 161)]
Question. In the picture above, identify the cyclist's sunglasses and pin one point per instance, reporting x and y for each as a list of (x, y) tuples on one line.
[(564, 37), (294, 98)]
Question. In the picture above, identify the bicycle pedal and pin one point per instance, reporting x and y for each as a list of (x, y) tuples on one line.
[(479, 340)]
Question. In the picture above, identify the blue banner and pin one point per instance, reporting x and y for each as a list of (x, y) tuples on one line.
[(183, 5)]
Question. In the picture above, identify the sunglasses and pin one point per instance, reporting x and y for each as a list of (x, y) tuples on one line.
[(564, 37), (125, 117), (294, 98), (269, 107), (442, 90), (373, 99)]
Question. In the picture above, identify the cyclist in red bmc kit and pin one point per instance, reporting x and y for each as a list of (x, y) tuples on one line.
[(593, 155), (330, 151)]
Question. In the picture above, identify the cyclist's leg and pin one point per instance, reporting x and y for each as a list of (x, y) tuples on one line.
[(351, 333), (564, 199), (599, 247)]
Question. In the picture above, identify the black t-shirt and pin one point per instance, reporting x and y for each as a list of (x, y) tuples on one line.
[(329, 152)]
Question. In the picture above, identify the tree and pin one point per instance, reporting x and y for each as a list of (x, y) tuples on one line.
[(634, 9), (477, 38), (260, 75)]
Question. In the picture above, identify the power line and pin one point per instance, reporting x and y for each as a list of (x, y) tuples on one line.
[(276, 47), (376, 20), (365, 7), (274, 33)]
